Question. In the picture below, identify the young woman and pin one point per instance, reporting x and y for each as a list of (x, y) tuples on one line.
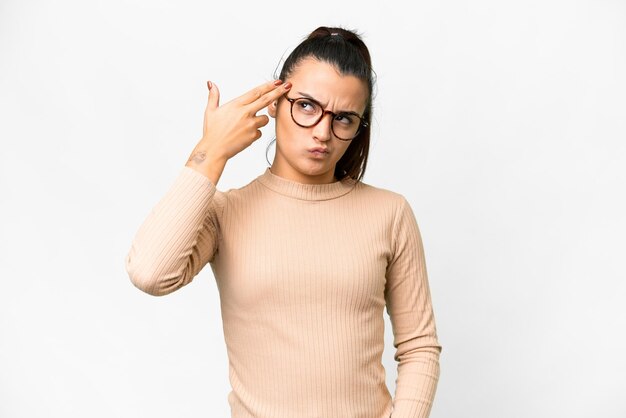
[(306, 256)]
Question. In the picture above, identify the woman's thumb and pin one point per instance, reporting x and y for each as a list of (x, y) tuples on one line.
[(214, 95)]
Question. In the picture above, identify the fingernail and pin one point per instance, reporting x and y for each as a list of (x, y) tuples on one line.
[(287, 85), (209, 85), (278, 82)]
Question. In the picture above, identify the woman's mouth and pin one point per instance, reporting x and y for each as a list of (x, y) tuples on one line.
[(318, 152)]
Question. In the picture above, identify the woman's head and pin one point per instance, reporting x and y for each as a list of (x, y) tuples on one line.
[(333, 67)]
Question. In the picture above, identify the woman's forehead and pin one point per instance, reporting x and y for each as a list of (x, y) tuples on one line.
[(326, 84)]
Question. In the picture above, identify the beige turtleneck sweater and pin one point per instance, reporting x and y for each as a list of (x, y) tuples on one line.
[(304, 272)]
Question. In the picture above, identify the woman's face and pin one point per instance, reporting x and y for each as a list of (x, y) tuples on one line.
[(322, 82)]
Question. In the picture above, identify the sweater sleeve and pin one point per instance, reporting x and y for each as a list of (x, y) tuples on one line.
[(410, 310), (178, 237)]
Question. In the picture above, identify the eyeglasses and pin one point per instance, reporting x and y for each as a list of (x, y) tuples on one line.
[(307, 112)]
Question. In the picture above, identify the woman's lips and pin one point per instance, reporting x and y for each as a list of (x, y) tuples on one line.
[(318, 154)]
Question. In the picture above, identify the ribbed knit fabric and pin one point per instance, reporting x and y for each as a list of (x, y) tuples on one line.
[(304, 272)]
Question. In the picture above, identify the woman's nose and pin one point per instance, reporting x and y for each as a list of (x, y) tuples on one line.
[(322, 130)]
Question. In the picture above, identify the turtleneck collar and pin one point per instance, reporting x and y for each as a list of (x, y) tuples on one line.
[(305, 191)]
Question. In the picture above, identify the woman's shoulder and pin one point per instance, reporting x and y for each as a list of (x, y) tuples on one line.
[(379, 193), (385, 201), (235, 195)]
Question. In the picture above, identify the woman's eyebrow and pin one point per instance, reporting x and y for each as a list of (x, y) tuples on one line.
[(308, 96)]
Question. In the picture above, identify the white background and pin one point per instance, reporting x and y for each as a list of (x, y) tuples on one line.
[(503, 123)]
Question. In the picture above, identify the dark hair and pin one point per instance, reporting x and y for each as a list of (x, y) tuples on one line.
[(345, 50)]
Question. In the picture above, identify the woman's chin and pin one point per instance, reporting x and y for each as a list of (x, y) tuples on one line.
[(314, 168)]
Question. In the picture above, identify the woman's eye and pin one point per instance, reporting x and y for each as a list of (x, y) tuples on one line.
[(307, 106), (345, 119)]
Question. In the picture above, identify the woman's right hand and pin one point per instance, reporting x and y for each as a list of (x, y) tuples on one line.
[(232, 127)]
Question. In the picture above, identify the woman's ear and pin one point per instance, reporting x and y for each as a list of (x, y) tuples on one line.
[(271, 109)]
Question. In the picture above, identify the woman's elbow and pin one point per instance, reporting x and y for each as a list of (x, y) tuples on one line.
[(150, 281)]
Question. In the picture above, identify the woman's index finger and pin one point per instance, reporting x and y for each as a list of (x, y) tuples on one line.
[(258, 91), (270, 96)]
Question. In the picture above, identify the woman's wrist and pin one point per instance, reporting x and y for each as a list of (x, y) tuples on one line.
[(207, 162)]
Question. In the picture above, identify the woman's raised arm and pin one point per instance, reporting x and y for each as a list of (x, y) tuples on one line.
[(232, 127), (180, 235)]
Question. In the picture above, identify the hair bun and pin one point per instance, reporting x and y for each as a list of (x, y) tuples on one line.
[(331, 32)]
